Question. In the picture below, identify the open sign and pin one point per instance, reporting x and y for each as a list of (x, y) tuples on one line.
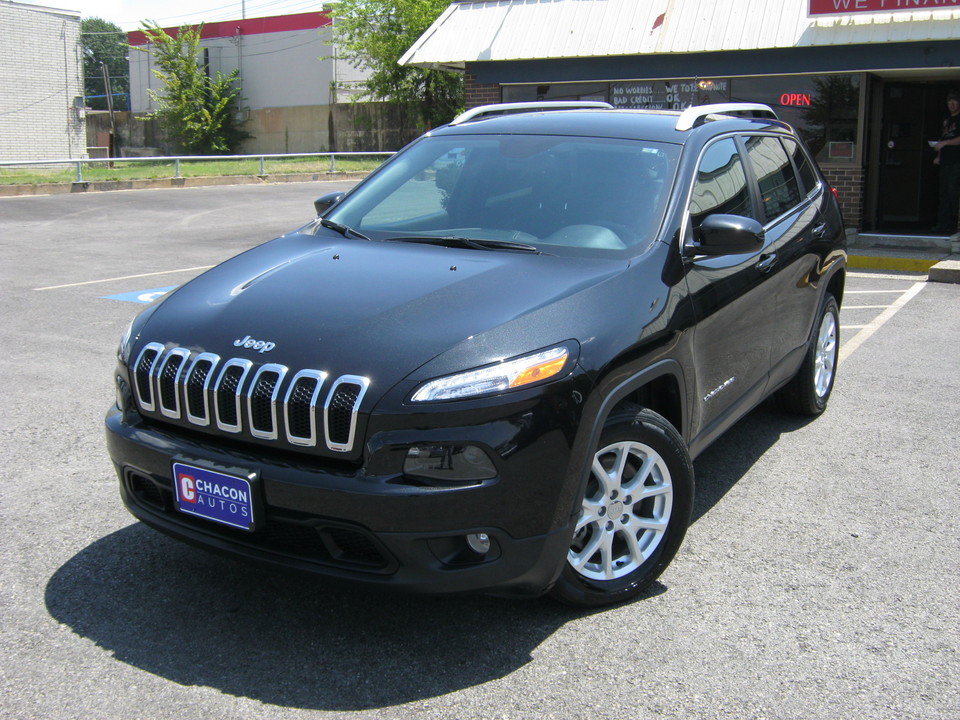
[(795, 99)]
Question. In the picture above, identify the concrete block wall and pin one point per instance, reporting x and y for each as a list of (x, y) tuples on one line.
[(41, 73)]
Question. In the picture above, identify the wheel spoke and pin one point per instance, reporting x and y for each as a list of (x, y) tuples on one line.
[(633, 543), (606, 554), (589, 513), (655, 524), (639, 480), (580, 558), (605, 477)]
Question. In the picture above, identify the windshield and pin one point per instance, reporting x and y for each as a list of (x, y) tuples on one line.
[(559, 194)]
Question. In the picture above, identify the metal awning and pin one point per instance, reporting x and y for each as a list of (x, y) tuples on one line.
[(487, 30)]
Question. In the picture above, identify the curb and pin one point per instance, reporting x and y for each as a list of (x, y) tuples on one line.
[(165, 183), (886, 262), (945, 271)]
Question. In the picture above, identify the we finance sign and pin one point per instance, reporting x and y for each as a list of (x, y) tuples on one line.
[(842, 7)]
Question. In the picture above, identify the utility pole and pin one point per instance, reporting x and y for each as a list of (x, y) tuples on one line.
[(113, 123)]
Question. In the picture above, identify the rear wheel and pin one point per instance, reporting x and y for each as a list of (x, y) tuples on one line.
[(809, 390), (634, 511)]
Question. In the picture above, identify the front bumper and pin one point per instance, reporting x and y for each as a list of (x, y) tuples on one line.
[(343, 521)]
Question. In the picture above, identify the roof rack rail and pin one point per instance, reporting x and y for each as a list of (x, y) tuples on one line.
[(696, 115), (501, 108)]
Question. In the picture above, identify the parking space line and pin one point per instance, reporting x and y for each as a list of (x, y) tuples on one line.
[(884, 276), (850, 346), (125, 277), (875, 292)]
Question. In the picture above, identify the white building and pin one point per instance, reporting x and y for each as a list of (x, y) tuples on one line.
[(41, 83), (289, 77)]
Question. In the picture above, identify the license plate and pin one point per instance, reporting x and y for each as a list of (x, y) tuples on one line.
[(216, 496)]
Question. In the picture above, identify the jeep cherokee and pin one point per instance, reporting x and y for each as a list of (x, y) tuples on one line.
[(487, 367)]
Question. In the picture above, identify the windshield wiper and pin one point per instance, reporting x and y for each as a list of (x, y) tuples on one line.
[(468, 243), (344, 230)]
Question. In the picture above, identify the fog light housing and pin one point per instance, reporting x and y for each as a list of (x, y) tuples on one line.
[(449, 463), (479, 543)]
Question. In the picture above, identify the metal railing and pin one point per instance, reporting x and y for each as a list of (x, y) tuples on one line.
[(177, 159)]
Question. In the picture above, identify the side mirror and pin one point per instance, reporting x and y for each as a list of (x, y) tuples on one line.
[(325, 202), (726, 235)]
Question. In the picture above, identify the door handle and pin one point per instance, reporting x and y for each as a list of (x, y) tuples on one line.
[(819, 231), (766, 262)]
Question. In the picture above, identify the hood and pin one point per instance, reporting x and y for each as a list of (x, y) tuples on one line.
[(374, 309)]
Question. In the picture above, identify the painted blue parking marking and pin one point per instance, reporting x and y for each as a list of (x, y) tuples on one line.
[(145, 297)]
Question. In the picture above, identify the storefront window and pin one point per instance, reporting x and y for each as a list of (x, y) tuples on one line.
[(556, 91), (823, 108)]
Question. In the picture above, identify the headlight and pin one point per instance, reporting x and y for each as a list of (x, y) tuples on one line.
[(509, 375), (123, 352)]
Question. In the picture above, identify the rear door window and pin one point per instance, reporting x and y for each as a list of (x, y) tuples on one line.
[(779, 190)]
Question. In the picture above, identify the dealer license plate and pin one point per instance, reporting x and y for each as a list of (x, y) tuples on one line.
[(226, 499)]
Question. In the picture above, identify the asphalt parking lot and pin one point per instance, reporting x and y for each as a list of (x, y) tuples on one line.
[(818, 580)]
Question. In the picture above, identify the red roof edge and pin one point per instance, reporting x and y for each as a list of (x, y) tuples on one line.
[(250, 26)]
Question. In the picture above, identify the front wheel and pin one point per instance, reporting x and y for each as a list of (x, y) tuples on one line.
[(809, 390), (634, 511)]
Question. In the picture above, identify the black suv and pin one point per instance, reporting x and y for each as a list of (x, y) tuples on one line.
[(487, 367)]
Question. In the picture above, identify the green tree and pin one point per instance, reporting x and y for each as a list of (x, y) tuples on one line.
[(198, 111), (104, 42), (374, 34)]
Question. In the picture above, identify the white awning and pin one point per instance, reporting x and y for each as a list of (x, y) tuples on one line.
[(479, 30)]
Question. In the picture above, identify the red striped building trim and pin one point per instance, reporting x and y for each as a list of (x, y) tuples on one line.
[(250, 26)]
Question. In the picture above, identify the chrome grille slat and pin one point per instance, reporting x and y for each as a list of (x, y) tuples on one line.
[(168, 381), (236, 396), (300, 407), (226, 394), (143, 371), (196, 388), (262, 401), (340, 411)]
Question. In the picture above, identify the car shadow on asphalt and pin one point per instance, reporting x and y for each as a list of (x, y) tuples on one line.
[(297, 641), (286, 639), (718, 469)]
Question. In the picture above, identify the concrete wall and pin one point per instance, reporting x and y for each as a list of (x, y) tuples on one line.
[(291, 68), (346, 127), (41, 72)]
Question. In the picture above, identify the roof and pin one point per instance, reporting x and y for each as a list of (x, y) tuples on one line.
[(483, 30)]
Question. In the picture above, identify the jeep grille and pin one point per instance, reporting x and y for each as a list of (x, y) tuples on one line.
[(234, 395)]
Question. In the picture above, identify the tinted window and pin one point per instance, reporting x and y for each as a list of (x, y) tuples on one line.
[(808, 178), (778, 185), (721, 184)]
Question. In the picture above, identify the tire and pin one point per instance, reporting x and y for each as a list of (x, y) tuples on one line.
[(622, 542), (809, 390)]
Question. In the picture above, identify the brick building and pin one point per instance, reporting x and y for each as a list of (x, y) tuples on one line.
[(41, 83), (864, 81)]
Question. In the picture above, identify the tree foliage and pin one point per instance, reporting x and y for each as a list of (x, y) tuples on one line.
[(374, 34), (104, 42), (196, 109)]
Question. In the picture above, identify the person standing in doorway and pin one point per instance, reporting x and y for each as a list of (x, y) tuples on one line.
[(948, 158)]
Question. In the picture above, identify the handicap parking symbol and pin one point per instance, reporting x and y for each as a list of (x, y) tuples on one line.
[(144, 297)]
